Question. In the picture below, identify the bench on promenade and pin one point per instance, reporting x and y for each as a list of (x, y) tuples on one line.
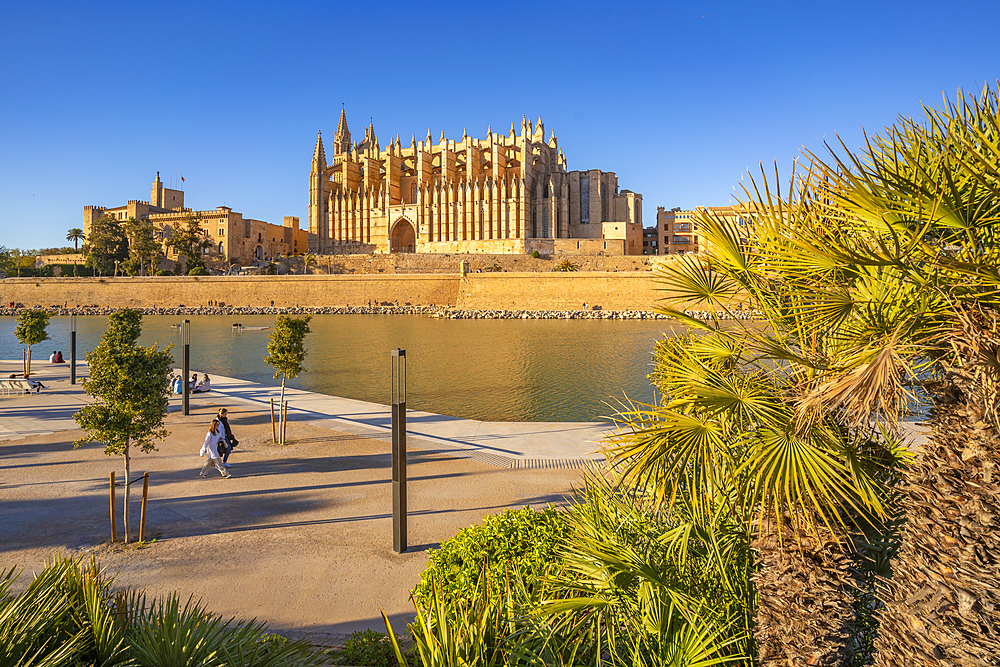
[(19, 386)]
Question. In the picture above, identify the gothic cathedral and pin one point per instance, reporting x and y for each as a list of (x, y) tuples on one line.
[(502, 194)]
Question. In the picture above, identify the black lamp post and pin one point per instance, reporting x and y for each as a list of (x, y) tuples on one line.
[(398, 391), (72, 349), (186, 363)]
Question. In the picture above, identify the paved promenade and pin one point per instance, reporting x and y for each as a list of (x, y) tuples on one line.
[(504, 444), (301, 535)]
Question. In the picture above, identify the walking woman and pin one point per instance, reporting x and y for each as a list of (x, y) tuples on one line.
[(211, 447), (230, 439)]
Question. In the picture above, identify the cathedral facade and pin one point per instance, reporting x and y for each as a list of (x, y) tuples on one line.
[(507, 193)]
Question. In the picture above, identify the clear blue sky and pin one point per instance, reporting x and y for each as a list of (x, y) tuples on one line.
[(680, 99)]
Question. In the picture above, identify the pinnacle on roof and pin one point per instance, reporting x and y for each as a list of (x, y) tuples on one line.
[(342, 125), (318, 151)]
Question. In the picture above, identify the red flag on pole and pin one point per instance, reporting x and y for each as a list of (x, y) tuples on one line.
[(182, 179)]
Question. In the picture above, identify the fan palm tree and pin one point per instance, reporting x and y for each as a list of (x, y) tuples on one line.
[(873, 276), (75, 235)]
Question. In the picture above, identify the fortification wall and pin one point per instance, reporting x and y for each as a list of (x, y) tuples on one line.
[(559, 291), (449, 263), (477, 291), (236, 291)]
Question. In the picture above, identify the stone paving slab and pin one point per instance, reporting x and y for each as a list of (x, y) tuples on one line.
[(504, 444)]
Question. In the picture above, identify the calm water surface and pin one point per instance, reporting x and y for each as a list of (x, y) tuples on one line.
[(494, 370)]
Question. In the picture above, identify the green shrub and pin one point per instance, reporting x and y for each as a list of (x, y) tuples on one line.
[(198, 271), (520, 542), (164, 272), (366, 648), (72, 614), (534, 253)]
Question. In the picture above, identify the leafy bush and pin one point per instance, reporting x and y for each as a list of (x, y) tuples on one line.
[(366, 648), (198, 271), (164, 272), (521, 543), (534, 253)]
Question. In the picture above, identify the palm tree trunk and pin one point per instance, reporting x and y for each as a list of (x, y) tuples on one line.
[(804, 609), (942, 605), (27, 370), (128, 475)]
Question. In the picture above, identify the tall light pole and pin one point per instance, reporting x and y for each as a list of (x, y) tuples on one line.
[(186, 363), (72, 349), (398, 392)]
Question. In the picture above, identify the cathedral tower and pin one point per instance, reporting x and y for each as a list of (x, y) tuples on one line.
[(318, 229)]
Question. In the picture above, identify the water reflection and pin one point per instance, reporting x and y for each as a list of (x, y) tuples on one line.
[(495, 370)]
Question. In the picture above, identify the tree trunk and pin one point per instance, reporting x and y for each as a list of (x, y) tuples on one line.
[(27, 370), (942, 605), (128, 474), (804, 608), (281, 413)]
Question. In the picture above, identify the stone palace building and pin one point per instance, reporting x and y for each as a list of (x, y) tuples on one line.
[(507, 193), (235, 239)]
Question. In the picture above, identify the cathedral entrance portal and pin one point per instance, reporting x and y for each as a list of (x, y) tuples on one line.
[(403, 238)]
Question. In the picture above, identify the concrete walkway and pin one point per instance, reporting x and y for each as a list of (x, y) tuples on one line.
[(503, 444)]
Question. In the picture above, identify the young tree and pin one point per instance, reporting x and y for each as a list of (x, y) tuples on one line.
[(30, 330), (106, 245), (191, 241), (143, 247), (130, 385), (285, 354), (75, 235)]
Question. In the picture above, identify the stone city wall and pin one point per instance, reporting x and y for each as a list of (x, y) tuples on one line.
[(477, 291), (448, 263), (559, 291), (235, 291)]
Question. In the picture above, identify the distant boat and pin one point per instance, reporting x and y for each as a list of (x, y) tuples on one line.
[(240, 327)]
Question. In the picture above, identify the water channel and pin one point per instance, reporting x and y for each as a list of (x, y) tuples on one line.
[(493, 370)]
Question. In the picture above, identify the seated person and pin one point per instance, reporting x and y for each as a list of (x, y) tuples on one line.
[(177, 385), (193, 382), (52, 358), (204, 385), (36, 385), (59, 358)]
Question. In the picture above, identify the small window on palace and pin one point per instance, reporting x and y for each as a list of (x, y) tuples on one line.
[(413, 193)]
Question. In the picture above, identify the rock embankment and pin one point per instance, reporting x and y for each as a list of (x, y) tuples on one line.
[(438, 312)]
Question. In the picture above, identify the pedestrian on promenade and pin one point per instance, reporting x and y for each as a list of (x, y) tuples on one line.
[(213, 439), (230, 439)]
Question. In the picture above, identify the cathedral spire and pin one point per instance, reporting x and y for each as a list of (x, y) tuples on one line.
[(342, 139), (319, 155)]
